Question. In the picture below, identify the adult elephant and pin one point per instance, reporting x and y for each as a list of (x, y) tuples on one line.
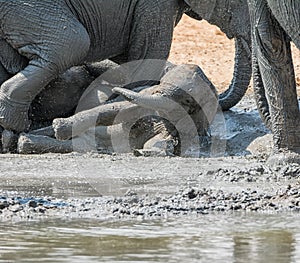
[(274, 24), (41, 39)]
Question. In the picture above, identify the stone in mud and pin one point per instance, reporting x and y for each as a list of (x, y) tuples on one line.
[(261, 145)]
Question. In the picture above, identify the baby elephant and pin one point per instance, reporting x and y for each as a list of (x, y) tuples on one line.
[(169, 114)]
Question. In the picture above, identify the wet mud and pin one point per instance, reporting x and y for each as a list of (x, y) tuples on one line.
[(253, 187), (122, 186)]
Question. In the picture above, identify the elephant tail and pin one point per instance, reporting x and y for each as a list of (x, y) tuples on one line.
[(260, 95)]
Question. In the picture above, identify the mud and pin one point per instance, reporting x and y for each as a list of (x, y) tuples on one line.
[(247, 185), (114, 186)]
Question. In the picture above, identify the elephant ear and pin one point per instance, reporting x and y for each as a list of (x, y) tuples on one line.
[(203, 8)]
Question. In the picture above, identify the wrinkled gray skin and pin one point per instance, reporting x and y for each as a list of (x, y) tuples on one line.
[(33, 52), (274, 24)]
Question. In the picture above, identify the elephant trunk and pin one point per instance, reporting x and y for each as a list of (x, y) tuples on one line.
[(241, 76)]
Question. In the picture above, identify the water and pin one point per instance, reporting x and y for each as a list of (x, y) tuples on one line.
[(224, 237), (207, 238)]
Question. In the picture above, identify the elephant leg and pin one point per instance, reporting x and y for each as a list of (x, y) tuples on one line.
[(37, 144), (17, 93), (51, 44), (288, 16), (9, 142), (91, 140), (104, 115), (272, 48), (3, 77)]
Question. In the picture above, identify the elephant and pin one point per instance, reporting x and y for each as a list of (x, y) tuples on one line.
[(171, 113), (36, 36), (274, 24)]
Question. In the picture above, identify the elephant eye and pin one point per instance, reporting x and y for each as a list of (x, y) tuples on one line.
[(187, 102), (193, 110)]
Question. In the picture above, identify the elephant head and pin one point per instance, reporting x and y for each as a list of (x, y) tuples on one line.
[(232, 17)]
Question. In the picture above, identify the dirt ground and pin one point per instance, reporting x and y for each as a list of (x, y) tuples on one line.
[(207, 46)]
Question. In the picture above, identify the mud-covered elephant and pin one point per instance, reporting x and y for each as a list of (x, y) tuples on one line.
[(275, 24), (170, 115), (41, 39)]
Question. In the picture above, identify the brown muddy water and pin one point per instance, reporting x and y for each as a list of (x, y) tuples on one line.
[(208, 238), (121, 208)]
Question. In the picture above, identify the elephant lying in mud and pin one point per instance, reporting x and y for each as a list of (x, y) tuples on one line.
[(274, 24), (35, 46), (167, 116)]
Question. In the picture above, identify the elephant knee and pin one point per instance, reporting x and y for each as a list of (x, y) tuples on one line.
[(72, 51), (271, 41), (79, 45)]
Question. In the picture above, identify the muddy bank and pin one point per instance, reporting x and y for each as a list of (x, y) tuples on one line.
[(182, 187), (250, 186)]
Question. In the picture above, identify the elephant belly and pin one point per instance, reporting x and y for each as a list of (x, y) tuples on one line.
[(108, 24)]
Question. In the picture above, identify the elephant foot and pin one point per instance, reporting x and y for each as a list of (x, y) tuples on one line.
[(158, 146), (9, 142), (63, 128), (13, 115), (38, 144), (284, 157)]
